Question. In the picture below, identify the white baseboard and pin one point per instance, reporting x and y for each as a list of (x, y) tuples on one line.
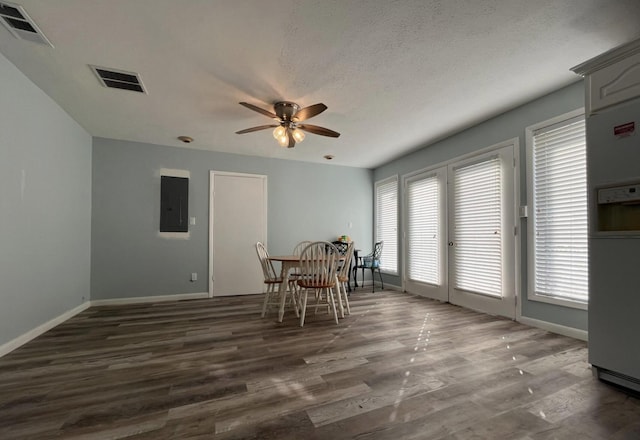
[(387, 286), (148, 299), (34, 333), (575, 333)]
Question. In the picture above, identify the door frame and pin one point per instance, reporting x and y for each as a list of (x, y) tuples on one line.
[(212, 174), (520, 215), (480, 302)]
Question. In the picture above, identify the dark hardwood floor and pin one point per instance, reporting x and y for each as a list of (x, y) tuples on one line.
[(399, 367)]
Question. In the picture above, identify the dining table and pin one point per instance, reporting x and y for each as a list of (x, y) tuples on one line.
[(289, 262)]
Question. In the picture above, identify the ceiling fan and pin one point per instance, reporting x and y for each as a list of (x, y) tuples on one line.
[(288, 117)]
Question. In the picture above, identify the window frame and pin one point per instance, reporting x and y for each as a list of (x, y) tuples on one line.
[(377, 185), (530, 242)]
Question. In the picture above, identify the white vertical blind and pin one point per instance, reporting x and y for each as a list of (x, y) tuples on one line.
[(387, 223), (560, 211), (478, 227), (423, 230)]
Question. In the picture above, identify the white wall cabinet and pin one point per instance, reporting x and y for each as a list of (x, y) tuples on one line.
[(611, 78)]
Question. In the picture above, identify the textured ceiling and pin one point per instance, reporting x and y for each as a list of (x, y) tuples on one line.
[(396, 75)]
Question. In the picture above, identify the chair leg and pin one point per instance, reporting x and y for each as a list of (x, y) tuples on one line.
[(346, 302), (266, 300), (304, 307), (293, 289), (294, 298), (333, 303), (354, 274), (381, 281), (373, 281), (340, 297), (318, 301)]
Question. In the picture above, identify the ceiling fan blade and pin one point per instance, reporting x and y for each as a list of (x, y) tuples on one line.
[(259, 110), (260, 127), (319, 130), (292, 141), (309, 112)]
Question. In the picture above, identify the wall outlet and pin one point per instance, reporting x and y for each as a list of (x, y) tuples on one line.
[(194, 276)]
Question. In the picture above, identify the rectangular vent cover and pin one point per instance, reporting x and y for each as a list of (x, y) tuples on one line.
[(21, 26), (119, 79), (619, 379)]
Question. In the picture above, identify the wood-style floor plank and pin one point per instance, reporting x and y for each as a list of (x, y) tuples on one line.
[(398, 367)]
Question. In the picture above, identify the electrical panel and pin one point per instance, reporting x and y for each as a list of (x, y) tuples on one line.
[(174, 204)]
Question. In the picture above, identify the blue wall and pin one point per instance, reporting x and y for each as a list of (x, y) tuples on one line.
[(509, 125), (129, 259), (45, 207)]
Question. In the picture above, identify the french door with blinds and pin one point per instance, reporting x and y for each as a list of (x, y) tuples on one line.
[(426, 234), (481, 232), (460, 232)]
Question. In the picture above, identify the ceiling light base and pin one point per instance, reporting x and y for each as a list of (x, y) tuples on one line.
[(285, 110)]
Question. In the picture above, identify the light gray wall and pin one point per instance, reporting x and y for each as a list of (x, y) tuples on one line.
[(45, 207), (501, 128), (129, 259)]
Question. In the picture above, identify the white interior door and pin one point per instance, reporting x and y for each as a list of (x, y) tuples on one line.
[(238, 219), (481, 232), (426, 234)]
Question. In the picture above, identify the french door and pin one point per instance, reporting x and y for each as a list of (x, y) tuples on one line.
[(426, 234), (481, 232), (459, 232)]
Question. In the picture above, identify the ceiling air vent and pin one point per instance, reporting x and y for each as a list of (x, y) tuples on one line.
[(119, 79), (20, 24)]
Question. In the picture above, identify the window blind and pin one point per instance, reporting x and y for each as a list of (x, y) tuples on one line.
[(478, 227), (387, 223), (423, 230), (560, 211)]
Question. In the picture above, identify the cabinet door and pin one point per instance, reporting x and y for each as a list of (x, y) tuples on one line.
[(614, 84)]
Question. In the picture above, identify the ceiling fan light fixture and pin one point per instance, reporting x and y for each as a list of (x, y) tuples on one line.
[(283, 140), (279, 132), (298, 135), (288, 116)]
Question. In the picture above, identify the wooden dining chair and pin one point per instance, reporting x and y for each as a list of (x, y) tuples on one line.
[(343, 280), (300, 246), (295, 273), (272, 281), (343, 247), (318, 264)]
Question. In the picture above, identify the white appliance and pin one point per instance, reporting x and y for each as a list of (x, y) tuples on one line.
[(613, 173)]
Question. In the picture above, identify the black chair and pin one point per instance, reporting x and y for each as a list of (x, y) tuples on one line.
[(371, 262)]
